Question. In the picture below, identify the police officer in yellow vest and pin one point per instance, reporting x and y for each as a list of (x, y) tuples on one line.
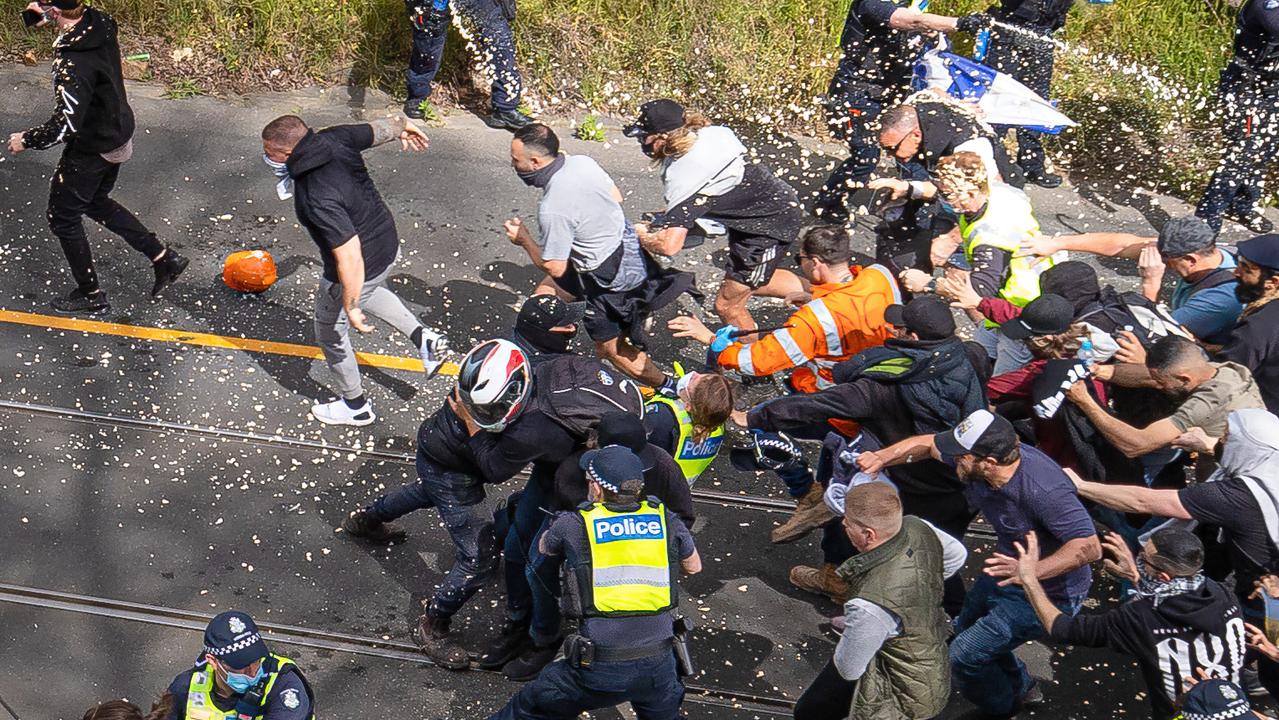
[(237, 677), (690, 425), (619, 555), (993, 220)]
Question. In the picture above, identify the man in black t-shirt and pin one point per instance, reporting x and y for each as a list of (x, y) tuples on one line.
[(881, 41), (1177, 623), (337, 203)]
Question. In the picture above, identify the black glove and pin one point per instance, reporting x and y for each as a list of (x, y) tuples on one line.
[(974, 23), (429, 20)]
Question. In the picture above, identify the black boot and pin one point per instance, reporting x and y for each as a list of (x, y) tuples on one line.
[(531, 661), (80, 302), (507, 120), (363, 525), (506, 646), (433, 638), (167, 269)]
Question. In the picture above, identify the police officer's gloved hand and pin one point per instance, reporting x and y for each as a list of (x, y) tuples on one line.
[(974, 23), (429, 19)]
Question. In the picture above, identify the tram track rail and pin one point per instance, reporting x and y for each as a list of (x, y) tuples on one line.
[(979, 529), (376, 647)]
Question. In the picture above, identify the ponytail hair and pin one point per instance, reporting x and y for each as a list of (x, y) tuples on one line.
[(709, 404)]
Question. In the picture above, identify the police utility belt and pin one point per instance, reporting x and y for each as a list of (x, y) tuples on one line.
[(581, 651)]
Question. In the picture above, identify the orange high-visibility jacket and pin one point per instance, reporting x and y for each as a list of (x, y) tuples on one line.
[(840, 321)]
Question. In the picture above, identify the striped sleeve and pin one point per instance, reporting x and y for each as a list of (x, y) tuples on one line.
[(781, 349)]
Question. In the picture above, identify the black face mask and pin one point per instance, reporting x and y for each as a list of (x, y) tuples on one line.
[(647, 148), (1219, 450), (547, 341), (539, 178)]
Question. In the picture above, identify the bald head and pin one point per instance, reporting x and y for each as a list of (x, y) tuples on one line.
[(876, 506)]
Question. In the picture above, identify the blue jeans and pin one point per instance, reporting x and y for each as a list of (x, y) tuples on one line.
[(1007, 353), (526, 567), (492, 34), (457, 497), (994, 622), (562, 692)]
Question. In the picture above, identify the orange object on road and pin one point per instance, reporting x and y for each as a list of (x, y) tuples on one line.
[(249, 271)]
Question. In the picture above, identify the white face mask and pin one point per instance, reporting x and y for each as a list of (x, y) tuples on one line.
[(682, 385), (283, 188)]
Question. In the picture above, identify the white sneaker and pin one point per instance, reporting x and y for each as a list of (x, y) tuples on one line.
[(434, 347), (337, 413)]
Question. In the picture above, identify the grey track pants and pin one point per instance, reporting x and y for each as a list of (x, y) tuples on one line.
[(332, 329)]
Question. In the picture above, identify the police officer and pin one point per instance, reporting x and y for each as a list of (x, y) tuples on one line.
[(1249, 93), (619, 554), (236, 676), (689, 425), (1028, 57), (491, 20), (881, 41)]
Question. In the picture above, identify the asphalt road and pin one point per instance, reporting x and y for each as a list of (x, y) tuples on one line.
[(198, 522)]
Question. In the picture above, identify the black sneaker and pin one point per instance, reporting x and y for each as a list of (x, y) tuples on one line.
[(78, 302), (1044, 179), (530, 662), (413, 108), (506, 646), (507, 120), (1253, 220), (167, 269), (363, 526)]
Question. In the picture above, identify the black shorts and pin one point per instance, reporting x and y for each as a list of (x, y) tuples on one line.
[(752, 260), (622, 314)]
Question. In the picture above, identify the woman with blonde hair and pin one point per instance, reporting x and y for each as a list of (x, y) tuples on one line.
[(710, 186)]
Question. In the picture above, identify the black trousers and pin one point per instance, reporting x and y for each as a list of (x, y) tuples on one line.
[(1030, 62), (1250, 129), (828, 697), (82, 185)]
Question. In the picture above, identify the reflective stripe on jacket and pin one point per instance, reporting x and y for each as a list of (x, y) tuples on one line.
[(630, 569), (840, 321), (1007, 220)]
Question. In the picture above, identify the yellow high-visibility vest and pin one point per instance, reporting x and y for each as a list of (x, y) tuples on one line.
[(630, 571), (200, 692), (692, 456), (1008, 220)]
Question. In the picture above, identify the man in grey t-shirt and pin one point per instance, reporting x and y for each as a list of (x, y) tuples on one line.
[(589, 252)]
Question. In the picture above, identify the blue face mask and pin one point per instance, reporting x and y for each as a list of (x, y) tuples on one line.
[(681, 385), (947, 207), (241, 683)]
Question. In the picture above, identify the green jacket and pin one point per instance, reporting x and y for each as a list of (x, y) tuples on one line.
[(909, 679)]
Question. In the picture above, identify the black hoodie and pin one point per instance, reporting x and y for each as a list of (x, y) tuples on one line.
[(1199, 629), (336, 200), (943, 128), (90, 114)]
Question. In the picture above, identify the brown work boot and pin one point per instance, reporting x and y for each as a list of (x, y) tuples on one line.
[(822, 581), (433, 637), (810, 512)]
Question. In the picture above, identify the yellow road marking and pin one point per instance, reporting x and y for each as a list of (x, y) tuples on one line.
[(141, 332)]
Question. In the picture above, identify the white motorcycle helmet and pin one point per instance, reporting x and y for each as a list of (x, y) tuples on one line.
[(494, 383)]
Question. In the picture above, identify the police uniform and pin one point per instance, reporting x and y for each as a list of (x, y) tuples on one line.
[(1029, 59), (279, 692), (874, 73), (1249, 94), (619, 565)]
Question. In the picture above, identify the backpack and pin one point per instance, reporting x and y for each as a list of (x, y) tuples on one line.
[(576, 392), (1132, 311)]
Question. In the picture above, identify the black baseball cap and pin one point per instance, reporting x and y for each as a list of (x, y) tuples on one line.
[(610, 466), (627, 430), (544, 312), (1184, 235), (233, 638), (928, 316), (1045, 315), (656, 116), (1262, 250), (983, 434)]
